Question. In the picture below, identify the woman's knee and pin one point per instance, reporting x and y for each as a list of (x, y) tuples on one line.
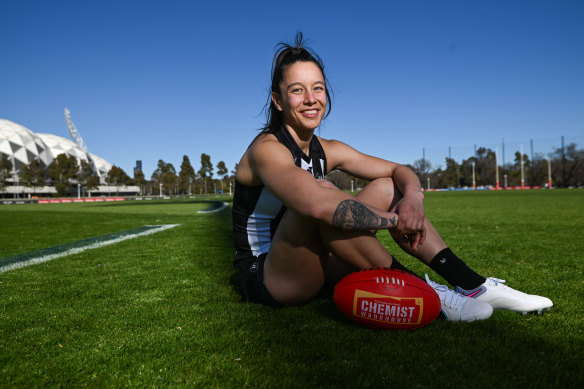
[(384, 184), (381, 193)]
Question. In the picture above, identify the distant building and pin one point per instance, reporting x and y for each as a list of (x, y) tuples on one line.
[(138, 167), (22, 146)]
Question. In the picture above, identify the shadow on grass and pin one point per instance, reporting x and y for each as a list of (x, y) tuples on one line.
[(316, 346)]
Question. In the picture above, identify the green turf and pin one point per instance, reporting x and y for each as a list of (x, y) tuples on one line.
[(160, 310)]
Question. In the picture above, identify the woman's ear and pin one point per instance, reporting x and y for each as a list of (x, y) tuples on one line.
[(276, 101)]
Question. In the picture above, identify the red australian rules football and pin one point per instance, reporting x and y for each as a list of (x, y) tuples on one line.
[(384, 298)]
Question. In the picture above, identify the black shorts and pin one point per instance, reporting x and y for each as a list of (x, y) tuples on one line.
[(251, 282)]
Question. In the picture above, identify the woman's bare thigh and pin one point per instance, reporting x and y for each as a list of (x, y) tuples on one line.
[(293, 271)]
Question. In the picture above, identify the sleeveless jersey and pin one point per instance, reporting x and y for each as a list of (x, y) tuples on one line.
[(257, 212)]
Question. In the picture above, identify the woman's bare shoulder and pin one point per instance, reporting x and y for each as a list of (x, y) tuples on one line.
[(263, 148)]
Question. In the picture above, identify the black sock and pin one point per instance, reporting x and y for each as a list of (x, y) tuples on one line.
[(395, 265), (455, 271)]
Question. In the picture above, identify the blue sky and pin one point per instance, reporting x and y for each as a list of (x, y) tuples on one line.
[(150, 80)]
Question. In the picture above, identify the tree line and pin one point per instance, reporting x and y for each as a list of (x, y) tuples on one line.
[(566, 166), (165, 180), (65, 173)]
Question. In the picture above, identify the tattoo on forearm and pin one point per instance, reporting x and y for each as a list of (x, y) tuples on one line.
[(352, 215)]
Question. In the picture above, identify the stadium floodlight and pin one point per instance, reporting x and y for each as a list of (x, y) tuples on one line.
[(74, 132), (79, 140)]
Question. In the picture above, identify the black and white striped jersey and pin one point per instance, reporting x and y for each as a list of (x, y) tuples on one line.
[(257, 212)]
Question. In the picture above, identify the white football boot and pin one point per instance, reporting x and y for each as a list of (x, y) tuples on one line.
[(456, 307), (502, 297)]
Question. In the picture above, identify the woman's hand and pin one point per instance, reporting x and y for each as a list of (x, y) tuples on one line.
[(411, 219)]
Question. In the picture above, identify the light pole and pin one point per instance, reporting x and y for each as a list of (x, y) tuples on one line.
[(522, 170), (497, 168), (549, 172), (474, 183), (15, 181)]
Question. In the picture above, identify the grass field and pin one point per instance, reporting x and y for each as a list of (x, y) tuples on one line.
[(161, 311)]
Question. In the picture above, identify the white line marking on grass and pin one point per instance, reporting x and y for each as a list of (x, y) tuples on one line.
[(35, 257), (220, 207)]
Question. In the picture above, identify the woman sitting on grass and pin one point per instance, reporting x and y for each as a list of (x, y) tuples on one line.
[(294, 231)]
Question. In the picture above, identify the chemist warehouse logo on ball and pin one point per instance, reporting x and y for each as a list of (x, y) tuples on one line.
[(377, 307)]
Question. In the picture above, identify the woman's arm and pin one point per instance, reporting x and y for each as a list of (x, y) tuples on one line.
[(343, 157), (410, 207), (273, 164)]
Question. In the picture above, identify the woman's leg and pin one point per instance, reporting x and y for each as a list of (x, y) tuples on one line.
[(384, 194), (304, 252)]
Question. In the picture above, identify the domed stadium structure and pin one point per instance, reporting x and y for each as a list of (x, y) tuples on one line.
[(22, 146), (59, 145)]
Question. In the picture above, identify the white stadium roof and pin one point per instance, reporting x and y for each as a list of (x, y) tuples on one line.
[(102, 166), (59, 145), (22, 146)]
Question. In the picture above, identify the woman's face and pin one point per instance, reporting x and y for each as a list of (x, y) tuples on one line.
[(303, 96)]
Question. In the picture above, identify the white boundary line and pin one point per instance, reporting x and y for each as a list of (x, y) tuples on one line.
[(219, 209), (76, 250)]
